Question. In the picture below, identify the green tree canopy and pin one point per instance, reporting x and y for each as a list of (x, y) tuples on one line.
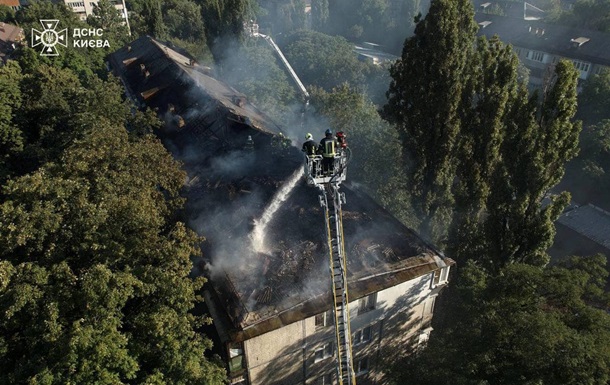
[(523, 326), (322, 60), (424, 101), (481, 154), (254, 70), (95, 284), (374, 144), (594, 100), (85, 61)]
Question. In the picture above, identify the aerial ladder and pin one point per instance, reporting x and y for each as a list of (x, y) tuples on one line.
[(331, 199), (252, 30)]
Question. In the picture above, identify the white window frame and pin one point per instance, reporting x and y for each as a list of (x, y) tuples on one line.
[(362, 336), (440, 277), (536, 56), (367, 303), (581, 65), (326, 351), (326, 319)]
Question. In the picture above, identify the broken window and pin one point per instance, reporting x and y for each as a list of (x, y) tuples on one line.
[(236, 357), (362, 336), (361, 366), (367, 303), (324, 319), (440, 276), (324, 352)]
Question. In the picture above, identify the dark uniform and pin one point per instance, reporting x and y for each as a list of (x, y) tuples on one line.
[(328, 150), (309, 147)]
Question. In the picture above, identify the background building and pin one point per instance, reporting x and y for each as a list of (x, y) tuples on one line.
[(540, 45), (85, 8)]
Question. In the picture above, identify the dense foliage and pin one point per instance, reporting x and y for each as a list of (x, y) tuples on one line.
[(380, 21), (374, 143), (523, 326), (94, 266), (484, 154)]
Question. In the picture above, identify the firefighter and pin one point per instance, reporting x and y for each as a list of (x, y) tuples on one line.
[(309, 147), (249, 144), (327, 149), (341, 140)]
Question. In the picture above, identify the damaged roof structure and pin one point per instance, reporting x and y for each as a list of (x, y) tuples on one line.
[(260, 285)]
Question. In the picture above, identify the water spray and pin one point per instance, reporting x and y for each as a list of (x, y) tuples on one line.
[(260, 226)]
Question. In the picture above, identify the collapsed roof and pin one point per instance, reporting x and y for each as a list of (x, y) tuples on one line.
[(260, 283)]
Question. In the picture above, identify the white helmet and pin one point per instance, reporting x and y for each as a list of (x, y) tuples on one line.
[(308, 136)]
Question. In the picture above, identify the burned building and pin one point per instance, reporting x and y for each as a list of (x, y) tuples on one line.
[(265, 252)]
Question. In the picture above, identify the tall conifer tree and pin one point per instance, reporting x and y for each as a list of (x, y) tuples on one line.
[(424, 101)]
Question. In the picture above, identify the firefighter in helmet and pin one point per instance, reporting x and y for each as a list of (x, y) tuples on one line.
[(309, 147), (328, 150)]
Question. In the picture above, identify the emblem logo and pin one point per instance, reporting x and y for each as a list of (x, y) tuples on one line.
[(49, 37)]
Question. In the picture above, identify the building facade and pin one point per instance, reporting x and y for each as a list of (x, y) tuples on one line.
[(540, 46), (85, 8), (394, 319)]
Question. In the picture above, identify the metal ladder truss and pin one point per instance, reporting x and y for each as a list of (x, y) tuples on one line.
[(332, 200)]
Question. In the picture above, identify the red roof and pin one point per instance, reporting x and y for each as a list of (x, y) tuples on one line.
[(10, 3)]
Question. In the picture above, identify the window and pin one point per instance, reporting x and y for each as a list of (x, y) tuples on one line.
[(324, 352), (536, 56), (367, 303), (440, 276), (581, 66), (361, 366), (236, 357), (362, 336), (324, 319), (326, 379)]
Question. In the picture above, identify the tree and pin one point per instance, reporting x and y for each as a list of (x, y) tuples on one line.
[(254, 70), (541, 137), (11, 139), (7, 14), (489, 92), (590, 14), (95, 269), (594, 101), (375, 145), (524, 326), (183, 20), (322, 60), (86, 62), (593, 161), (424, 102), (224, 21), (111, 21), (319, 14)]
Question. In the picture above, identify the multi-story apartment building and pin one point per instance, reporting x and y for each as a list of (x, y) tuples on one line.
[(85, 8), (540, 45), (266, 259)]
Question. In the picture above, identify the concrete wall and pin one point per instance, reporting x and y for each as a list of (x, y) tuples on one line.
[(287, 356)]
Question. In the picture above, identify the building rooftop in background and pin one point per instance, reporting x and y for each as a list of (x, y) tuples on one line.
[(10, 37), (371, 52), (14, 4), (589, 221), (261, 294), (573, 43)]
